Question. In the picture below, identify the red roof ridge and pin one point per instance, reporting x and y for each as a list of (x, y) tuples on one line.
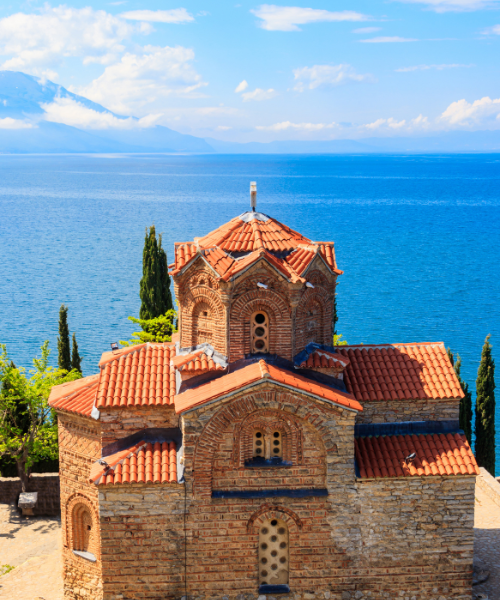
[(110, 356), (395, 345), (75, 396), (253, 374)]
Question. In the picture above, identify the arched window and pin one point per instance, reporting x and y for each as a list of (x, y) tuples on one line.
[(202, 324), (259, 448), (82, 528), (259, 326), (273, 553)]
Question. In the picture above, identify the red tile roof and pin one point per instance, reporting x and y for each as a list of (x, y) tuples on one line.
[(141, 376), (279, 264), (184, 253), (196, 361), (218, 259), (437, 454), (400, 371), (143, 463), (322, 359), (76, 397), (254, 374), (240, 235)]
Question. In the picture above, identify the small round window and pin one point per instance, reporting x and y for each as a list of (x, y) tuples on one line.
[(259, 444), (259, 332)]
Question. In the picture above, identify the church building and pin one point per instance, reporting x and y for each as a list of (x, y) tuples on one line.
[(250, 457)]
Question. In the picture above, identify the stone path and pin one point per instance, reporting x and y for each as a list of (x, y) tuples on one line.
[(33, 547)]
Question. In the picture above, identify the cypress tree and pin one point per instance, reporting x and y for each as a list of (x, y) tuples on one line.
[(64, 358), (465, 413), (155, 295), (485, 410), (76, 360)]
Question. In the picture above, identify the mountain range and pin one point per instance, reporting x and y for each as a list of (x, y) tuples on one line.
[(25, 98)]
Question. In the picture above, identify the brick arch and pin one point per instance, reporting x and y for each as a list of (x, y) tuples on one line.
[(215, 324), (79, 509), (317, 297), (208, 442), (268, 512), (283, 421), (280, 322)]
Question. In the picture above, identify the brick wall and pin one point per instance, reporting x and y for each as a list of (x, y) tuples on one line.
[(79, 447), (392, 411), (119, 423), (47, 486), (142, 541)]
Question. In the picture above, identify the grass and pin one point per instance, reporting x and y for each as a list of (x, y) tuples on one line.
[(4, 569)]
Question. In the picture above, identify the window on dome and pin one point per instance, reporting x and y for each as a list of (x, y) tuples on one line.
[(202, 324), (259, 332), (273, 553)]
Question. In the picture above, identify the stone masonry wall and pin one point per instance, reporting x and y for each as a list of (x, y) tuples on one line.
[(393, 411), (142, 541), (47, 486), (79, 447), (119, 423)]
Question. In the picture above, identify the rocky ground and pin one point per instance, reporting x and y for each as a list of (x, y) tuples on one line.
[(32, 546)]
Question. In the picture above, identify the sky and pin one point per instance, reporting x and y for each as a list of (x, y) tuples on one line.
[(318, 70)]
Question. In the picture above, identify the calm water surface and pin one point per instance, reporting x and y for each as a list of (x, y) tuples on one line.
[(417, 237)]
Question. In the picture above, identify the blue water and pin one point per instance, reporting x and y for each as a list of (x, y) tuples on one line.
[(417, 236)]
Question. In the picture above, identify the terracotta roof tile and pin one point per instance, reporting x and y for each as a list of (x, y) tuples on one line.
[(400, 371), (436, 454), (327, 251), (196, 361), (254, 373), (247, 236), (218, 259), (141, 377), (142, 463), (322, 359), (281, 265), (184, 253), (76, 397)]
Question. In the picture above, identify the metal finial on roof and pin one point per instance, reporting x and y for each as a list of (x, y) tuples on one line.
[(253, 195)]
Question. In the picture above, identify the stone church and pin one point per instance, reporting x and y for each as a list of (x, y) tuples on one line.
[(250, 457)]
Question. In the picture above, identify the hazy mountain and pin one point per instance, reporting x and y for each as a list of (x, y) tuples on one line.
[(455, 141), (22, 97)]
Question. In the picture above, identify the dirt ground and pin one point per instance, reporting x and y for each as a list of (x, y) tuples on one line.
[(33, 547)]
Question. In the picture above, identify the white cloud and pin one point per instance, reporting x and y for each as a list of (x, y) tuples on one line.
[(427, 67), (9, 123), (259, 95), (35, 41), (223, 128), (388, 125), (70, 112), (387, 40), (175, 15), (454, 5), (141, 82), (325, 76), (283, 126), (367, 30), (465, 113), (241, 87), (495, 30), (287, 18)]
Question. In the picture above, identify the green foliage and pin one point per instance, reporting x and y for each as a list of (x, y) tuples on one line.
[(28, 427), (465, 411), (159, 329), (76, 359), (485, 410), (155, 295), (4, 569), (338, 341), (64, 354)]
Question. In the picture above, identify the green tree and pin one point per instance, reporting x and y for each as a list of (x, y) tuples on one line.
[(63, 348), (485, 410), (155, 295), (159, 329), (76, 359), (465, 410), (28, 427)]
